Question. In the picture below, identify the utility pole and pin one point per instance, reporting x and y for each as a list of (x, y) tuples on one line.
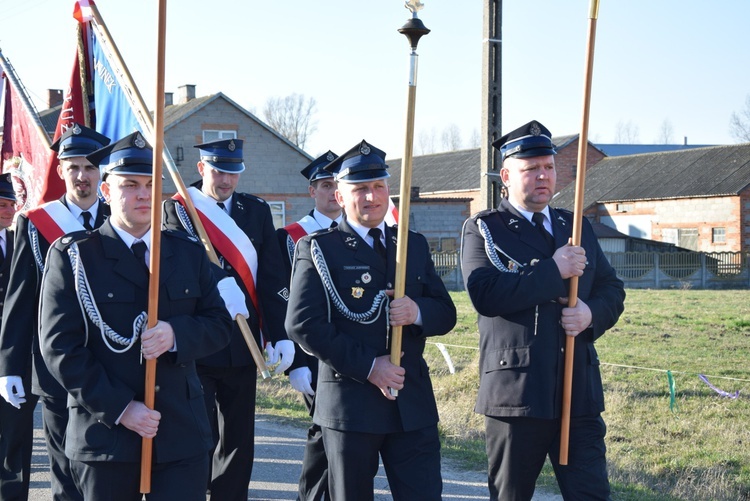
[(490, 164)]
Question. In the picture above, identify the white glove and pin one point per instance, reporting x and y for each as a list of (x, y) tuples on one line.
[(301, 380), (11, 389), (282, 353), (234, 298)]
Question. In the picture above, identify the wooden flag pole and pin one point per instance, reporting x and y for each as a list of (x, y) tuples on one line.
[(144, 118), (577, 226), (155, 249), (414, 29)]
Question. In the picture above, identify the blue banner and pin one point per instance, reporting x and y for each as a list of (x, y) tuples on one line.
[(114, 115)]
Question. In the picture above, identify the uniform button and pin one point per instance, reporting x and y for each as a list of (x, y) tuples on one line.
[(110, 295), (187, 291), (156, 388), (228, 267), (503, 362), (337, 375)]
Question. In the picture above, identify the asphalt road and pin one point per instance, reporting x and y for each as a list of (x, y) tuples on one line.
[(278, 460)]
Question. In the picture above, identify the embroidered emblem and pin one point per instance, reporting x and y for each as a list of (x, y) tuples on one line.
[(365, 148), (139, 142), (512, 221), (561, 219), (358, 292), (534, 262), (76, 129), (231, 146), (512, 266), (535, 129), (330, 157), (350, 242), (284, 293), (366, 278)]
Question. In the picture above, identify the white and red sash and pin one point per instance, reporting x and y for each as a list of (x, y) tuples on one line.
[(54, 220), (228, 239), (304, 226)]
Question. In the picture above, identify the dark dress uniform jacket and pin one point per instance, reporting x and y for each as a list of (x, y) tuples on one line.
[(101, 382), (5, 276), (345, 400), (19, 336), (253, 216), (521, 340)]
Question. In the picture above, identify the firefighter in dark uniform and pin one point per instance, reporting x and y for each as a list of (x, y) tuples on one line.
[(303, 374), (516, 263), (94, 339), (79, 209), (16, 420), (242, 233), (339, 310)]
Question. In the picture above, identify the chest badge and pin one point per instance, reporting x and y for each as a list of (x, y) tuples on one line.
[(358, 292), (366, 278)]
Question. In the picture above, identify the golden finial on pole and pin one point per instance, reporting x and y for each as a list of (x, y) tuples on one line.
[(414, 29)]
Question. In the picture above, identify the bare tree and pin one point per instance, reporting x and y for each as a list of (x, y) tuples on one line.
[(739, 123), (626, 133), (474, 139), (427, 141), (451, 138), (292, 117), (666, 133)]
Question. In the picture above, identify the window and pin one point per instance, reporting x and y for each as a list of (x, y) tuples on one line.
[(688, 238), (215, 135), (448, 244), (278, 211), (718, 235), (624, 207)]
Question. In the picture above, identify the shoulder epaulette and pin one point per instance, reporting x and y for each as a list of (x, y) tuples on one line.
[(483, 213), (181, 235), (248, 196), (76, 236)]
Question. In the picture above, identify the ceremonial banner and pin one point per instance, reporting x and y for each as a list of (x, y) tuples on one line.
[(25, 147)]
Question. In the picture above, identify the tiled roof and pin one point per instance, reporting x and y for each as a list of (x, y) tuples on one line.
[(700, 172), (450, 171)]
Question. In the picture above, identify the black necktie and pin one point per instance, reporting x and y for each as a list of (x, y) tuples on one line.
[(139, 248), (86, 215), (222, 206), (377, 245), (538, 219), (333, 224)]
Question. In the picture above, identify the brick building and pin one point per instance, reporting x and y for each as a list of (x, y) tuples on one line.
[(697, 199)]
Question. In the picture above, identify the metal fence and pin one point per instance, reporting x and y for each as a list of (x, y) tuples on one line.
[(647, 270)]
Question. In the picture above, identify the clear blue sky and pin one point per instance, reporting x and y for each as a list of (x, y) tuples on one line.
[(682, 61)]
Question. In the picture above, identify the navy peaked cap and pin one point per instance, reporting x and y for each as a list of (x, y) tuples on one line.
[(224, 155), (79, 141), (316, 169), (6, 187), (362, 163), (130, 155), (530, 140)]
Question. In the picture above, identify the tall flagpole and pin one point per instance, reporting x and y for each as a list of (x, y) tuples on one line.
[(144, 119), (414, 29), (155, 249), (583, 141)]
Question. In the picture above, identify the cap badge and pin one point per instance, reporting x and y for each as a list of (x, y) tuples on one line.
[(139, 142), (231, 146), (358, 292), (330, 157), (535, 129), (76, 129), (365, 149), (366, 278)]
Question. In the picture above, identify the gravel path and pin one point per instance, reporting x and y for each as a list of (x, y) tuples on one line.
[(278, 453)]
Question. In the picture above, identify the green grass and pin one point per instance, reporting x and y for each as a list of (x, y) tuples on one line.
[(699, 452)]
